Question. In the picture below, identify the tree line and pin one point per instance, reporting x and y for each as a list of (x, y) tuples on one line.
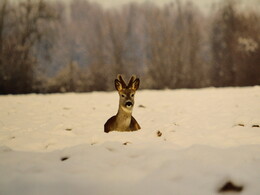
[(48, 47)]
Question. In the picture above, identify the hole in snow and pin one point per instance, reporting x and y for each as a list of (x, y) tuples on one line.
[(230, 187), (134, 156), (126, 143), (159, 133), (64, 158), (110, 149), (255, 126)]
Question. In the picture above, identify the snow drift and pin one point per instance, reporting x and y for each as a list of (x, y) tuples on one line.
[(203, 141)]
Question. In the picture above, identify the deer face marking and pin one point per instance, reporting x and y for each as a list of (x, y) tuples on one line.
[(127, 98)]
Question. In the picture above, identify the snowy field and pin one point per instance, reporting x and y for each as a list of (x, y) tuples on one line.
[(192, 142)]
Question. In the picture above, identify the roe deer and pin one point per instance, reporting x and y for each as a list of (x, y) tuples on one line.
[(123, 120)]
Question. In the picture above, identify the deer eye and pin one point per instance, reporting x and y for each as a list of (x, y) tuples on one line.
[(123, 95), (132, 95)]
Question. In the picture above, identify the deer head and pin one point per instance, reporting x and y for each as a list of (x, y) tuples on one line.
[(126, 92)]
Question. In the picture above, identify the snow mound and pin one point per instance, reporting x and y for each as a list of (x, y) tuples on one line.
[(204, 141)]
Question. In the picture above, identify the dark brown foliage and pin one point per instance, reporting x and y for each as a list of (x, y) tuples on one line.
[(22, 27), (159, 133), (230, 187), (64, 158), (53, 47)]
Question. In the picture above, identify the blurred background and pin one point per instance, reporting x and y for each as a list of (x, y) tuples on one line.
[(49, 46)]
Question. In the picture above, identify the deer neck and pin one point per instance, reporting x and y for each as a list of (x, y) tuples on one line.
[(123, 117), (124, 113)]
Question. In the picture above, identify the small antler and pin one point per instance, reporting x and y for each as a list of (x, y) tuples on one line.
[(131, 81), (121, 80)]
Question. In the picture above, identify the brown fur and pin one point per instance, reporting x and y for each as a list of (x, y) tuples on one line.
[(123, 120)]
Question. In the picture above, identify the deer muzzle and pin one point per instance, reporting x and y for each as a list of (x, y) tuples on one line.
[(128, 104)]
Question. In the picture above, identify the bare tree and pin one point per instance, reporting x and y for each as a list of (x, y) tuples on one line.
[(22, 23), (235, 47), (173, 45), (248, 50), (66, 80), (223, 46)]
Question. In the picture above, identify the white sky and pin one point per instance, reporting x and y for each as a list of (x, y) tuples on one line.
[(205, 5), (120, 2)]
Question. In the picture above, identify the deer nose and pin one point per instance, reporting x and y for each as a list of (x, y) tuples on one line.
[(128, 104)]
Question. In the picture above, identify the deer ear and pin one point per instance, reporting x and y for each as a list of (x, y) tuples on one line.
[(135, 84), (118, 85)]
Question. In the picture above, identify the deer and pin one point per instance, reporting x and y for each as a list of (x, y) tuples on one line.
[(123, 120)]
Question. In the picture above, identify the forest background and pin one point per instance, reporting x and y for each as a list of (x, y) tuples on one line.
[(80, 46)]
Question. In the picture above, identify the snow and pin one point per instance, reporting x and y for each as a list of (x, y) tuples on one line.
[(55, 144)]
